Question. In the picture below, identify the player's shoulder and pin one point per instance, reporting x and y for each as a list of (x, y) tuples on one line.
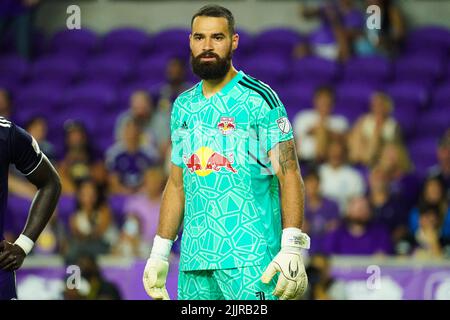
[(187, 95), (260, 90), (5, 127)]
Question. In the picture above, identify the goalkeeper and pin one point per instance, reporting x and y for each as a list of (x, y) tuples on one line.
[(233, 153)]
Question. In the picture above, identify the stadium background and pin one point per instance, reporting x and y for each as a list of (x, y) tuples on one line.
[(123, 46)]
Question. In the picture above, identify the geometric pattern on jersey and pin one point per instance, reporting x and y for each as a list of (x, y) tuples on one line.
[(227, 284), (232, 210)]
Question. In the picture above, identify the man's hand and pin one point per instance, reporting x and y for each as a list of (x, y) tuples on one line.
[(11, 256), (156, 269), (293, 281), (155, 275)]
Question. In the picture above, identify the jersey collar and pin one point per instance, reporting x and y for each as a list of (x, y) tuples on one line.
[(230, 85)]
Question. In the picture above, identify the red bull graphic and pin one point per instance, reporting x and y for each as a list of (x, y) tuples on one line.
[(226, 125), (205, 161)]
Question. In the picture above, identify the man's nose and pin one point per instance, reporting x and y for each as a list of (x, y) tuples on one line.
[(207, 44)]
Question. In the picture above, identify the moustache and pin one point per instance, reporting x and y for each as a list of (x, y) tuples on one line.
[(208, 55)]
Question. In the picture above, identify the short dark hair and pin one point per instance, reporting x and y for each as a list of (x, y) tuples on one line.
[(324, 89), (213, 10)]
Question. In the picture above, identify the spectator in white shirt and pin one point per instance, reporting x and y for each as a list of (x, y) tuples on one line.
[(315, 128), (373, 130), (340, 182)]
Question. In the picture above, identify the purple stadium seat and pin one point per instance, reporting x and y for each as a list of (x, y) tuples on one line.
[(421, 69), (433, 123), (313, 69), (406, 117), (441, 95), (86, 94), (423, 153), (117, 203), (296, 97), (350, 110), (110, 69), (46, 95), (66, 207), (267, 68), (367, 69), (17, 210), (130, 41), (13, 67), (174, 41), (78, 43), (7, 83), (280, 41), (58, 69), (354, 93), (407, 93), (153, 67), (435, 38)]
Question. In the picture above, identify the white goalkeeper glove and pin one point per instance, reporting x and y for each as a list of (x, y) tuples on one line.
[(157, 268), (293, 281)]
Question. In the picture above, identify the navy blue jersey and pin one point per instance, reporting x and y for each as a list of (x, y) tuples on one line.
[(19, 148)]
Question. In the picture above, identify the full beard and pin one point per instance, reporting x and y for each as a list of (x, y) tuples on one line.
[(211, 70)]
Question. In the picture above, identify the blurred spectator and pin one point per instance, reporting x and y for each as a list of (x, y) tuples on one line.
[(339, 181), (359, 235), (17, 16), (53, 239), (372, 130), (37, 127), (394, 161), (78, 157), (427, 241), (175, 84), (142, 214), (128, 160), (315, 128), (97, 286), (433, 194), (388, 39), (387, 208), (5, 104), (442, 169), (142, 111), (331, 40), (321, 214), (91, 225), (322, 285), (146, 204)]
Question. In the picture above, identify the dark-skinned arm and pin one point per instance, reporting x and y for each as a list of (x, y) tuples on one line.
[(47, 181)]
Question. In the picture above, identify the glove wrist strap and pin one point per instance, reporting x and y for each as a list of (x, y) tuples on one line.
[(161, 248), (295, 238)]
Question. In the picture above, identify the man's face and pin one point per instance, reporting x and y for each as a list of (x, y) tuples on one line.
[(212, 47), (140, 105), (323, 102), (358, 211)]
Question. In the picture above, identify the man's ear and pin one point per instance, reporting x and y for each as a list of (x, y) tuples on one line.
[(234, 41)]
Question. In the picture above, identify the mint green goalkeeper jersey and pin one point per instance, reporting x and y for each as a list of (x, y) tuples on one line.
[(232, 209)]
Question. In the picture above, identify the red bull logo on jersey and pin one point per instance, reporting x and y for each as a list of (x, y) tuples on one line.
[(206, 161), (226, 125)]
